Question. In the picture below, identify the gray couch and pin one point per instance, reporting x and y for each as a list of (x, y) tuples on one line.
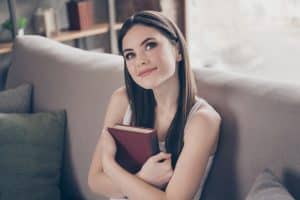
[(260, 127)]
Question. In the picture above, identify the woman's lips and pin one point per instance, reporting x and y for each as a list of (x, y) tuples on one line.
[(147, 72)]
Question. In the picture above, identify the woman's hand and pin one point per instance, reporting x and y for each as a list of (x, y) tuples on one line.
[(157, 170), (109, 147)]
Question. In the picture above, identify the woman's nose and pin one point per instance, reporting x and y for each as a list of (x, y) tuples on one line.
[(143, 61)]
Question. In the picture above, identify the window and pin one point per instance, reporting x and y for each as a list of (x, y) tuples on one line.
[(223, 33)]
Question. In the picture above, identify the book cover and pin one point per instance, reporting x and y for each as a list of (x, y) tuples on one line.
[(134, 145)]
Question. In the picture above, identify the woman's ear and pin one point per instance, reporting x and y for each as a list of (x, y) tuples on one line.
[(178, 57), (178, 53)]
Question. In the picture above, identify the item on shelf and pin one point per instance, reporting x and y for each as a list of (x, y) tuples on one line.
[(125, 9), (6, 29), (80, 14), (5, 35), (44, 22)]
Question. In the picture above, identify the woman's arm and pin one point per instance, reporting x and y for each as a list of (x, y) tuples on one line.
[(102, 184), (98, 181), (201, 135)]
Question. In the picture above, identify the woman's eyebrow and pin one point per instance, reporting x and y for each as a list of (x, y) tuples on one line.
[(142, 43), (146, 40), (127, 50)]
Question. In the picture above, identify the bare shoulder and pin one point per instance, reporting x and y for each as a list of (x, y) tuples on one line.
[(203, 125), (120, 96), (117, 107), (207, 113)]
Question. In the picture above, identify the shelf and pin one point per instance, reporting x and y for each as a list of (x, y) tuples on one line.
[(97, 29), (5, 47)]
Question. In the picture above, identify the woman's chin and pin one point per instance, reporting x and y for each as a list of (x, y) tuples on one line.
[(147, 86)]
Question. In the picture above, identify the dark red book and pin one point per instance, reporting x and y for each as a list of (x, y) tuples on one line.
[(134, 145), (80, 14)]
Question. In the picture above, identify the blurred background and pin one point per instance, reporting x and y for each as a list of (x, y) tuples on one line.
[(255, 37)]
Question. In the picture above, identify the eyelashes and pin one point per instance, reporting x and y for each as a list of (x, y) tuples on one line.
[(148, 46), (129, 56)]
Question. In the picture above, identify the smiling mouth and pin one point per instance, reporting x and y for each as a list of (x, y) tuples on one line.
[(147, 72)]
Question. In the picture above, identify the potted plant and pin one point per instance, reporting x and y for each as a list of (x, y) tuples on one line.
[(7, 27)]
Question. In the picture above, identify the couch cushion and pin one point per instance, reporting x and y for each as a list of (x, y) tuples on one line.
[(268, 187), (16, 100), (31, 148)]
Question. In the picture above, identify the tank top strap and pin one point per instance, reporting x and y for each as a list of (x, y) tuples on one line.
[(127, 116), (198, 103)]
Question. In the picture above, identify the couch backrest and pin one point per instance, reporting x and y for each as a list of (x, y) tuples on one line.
[(78, 81), (260, 129), (260, 126)]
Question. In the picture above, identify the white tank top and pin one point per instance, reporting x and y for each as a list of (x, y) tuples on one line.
[(162, 147)]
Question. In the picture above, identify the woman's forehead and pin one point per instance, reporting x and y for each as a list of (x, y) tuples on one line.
[(138, 33)]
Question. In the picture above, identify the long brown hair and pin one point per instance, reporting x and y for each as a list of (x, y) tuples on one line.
[(142, 101)]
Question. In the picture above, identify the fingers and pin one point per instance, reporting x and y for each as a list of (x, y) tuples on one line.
[(161, 156), (168, 161)]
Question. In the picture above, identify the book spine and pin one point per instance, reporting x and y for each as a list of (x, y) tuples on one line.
[(73, 15)]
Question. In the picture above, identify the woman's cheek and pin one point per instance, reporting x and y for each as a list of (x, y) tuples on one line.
[(131, 72), (130, 67)]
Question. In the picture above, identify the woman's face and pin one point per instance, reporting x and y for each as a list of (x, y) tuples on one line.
[(150, 57)]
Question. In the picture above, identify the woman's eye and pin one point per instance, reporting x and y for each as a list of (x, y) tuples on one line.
[(129, 56), (150, 45)]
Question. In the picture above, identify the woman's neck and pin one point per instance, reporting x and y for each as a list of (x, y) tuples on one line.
[(166, 94)]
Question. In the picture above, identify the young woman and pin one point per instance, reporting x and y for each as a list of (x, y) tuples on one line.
[(160, 93)]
